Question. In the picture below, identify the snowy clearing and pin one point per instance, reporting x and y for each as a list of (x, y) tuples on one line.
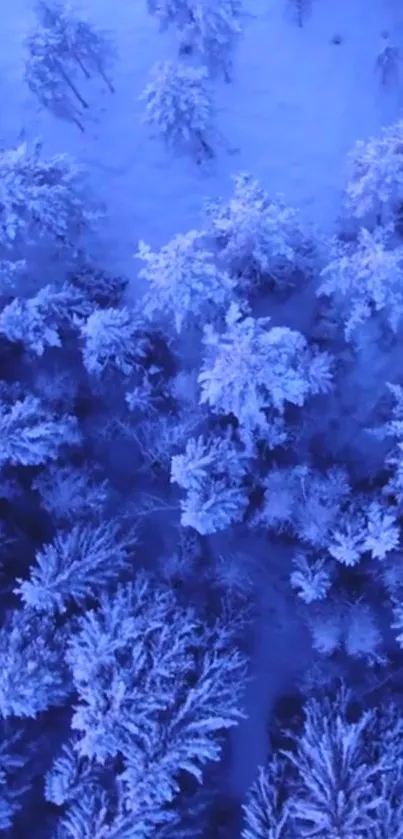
[(297, 104)]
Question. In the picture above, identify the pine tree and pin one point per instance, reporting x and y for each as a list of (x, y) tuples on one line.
[(64, 50), (179, 108), (44, 200), (38, 322), (260, 241), (211, 471), (211, 34), (365, 279), (375, 188), (33, 674), (336, 794), (393, 430), (70, 494), (31, 435), (112, 342), (312, 578), (76, 567), (266, 814), (154, 687), (184, 281), (250, 370)]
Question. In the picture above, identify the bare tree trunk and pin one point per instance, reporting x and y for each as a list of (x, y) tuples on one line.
[(72, 87)]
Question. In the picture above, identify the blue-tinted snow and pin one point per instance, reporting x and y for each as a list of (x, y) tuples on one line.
[(297, 105)]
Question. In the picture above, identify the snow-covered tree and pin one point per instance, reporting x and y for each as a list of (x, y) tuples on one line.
[(250, 370), (393, 430), (365, 279), (388, 61), (33, 674), (362, 638), (102, 289), (208, 29), (70, 776), (63, 50), (325, 623), (383, 533), (44, 199), (362, 529), (170, 12), (266, 814), (37, 322), (179, 108), (71, 494), (347, 539), (184, 281), (260, 240), (212, 34), (32, 435), (161, 437), (302, 501), (76, 567), (12, 787), (111, 341), (336, 794), (375, 188), (211, 471), (312, 578), (350, 627), (155, 687)]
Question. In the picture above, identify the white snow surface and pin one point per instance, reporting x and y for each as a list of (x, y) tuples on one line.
[(297, 105)]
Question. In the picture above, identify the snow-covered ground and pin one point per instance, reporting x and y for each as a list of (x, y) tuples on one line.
[(298, 103)]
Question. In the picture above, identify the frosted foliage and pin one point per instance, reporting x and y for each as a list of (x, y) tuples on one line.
[(325, 622), (393, 429), (304, 502), (336, 793), (389, 823), (110, 341), (33, 676), (250, 369), (265, 814), (11, 787), (183, 280), (211, 471), (75, 567), (37, 322), (382, 531), (311, 578), (155, 687), (87, 817), (347, 540), (159, 439), (42, 198), (373, 530), (362, 637), (76, 41), (257, 237), (365, 279), (69, 493), (212, 33), (179, 108), (168, 12), (375, 187), (32, 435), (351, 627), (67, 777), (63, 51)]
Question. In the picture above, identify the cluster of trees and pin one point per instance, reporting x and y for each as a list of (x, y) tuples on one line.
[(124, 645)]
